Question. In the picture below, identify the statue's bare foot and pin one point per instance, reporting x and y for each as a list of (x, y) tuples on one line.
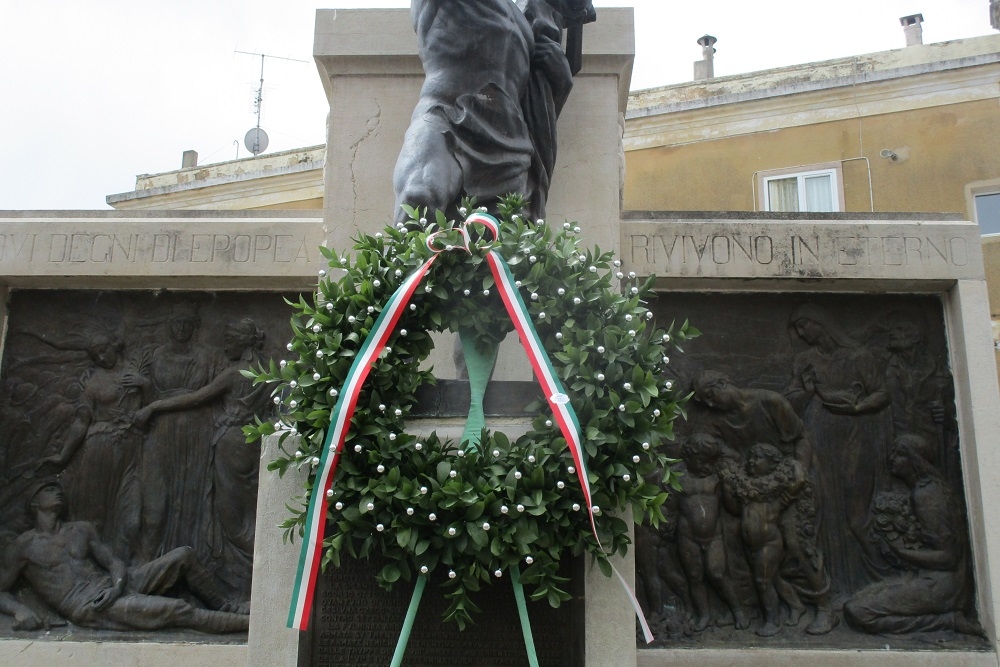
[(823, 623), (769, 629), (701, 623), (795, 615), (741, 620)]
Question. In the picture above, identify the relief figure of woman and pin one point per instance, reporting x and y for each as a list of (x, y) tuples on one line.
[(839, 390)]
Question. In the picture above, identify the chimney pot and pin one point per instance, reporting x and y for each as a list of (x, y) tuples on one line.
[(189, 159), (912, 29), (705, 68)]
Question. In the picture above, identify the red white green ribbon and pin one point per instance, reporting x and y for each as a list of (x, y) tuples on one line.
[(562, 410), (556, 396), (340, 421)]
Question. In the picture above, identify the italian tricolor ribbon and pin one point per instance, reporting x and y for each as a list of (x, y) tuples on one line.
[(378, 337)]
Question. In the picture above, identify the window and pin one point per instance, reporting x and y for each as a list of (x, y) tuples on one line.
[(815, 188), (814, 191), (987, 210)]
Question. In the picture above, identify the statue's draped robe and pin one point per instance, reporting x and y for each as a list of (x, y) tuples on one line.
[(494, 87)]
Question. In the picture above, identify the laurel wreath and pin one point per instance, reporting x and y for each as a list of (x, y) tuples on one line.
[(429, 506)]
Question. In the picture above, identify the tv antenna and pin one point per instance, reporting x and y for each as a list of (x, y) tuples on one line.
[(256, 138)]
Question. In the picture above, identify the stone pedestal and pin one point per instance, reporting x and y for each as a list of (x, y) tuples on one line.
[(369, 66)]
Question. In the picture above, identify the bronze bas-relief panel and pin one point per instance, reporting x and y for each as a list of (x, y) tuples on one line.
[(129, 493), (821, 501), (357, 623)]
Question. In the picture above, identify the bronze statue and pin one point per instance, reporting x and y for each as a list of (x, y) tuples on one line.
[(759, 494), (74, 572), (496, 81), (918, 386), (124, 393), (744, 418), (232, 498), (839, 389), (101, 442), (93, 436), (176, 459), (827, 507), (933, 593), (700, 540)]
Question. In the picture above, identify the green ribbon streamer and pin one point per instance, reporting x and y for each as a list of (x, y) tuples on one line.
[(480, 365), (411, 615), (522, 612)]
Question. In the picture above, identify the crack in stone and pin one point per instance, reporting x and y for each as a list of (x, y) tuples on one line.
[(370, 128)]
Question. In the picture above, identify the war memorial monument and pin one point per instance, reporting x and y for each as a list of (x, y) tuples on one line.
[(830, 487)]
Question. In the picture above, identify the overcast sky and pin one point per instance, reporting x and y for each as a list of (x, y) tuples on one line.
[(93, 93)]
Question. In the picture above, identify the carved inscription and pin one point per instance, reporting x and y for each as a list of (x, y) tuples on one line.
[(676, 251), (901, 250), (159, 248), (714, 248)]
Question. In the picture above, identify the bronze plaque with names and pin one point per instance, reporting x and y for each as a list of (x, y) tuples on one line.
[(356, 623)]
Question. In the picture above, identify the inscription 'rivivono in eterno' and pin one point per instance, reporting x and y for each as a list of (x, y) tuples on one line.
[(677, 250)]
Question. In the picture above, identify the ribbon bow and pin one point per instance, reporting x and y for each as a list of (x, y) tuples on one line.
[(477, 218)]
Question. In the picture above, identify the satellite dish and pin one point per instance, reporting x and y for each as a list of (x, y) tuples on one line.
[(256, 140)]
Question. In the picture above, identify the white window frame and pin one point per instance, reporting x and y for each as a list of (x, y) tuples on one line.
[(978, 189), (832, 169)]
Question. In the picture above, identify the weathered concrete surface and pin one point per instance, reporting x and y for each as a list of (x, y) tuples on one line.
[(976, 397), (841, 72), (610, 619), (18, 653), (288, 180), (272, 643), (797, 658), (844, 253), (115, 249), (831, 249)]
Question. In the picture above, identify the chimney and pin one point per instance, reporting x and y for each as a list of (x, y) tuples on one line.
[(705, 68), (911, 28), (189, 159)]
